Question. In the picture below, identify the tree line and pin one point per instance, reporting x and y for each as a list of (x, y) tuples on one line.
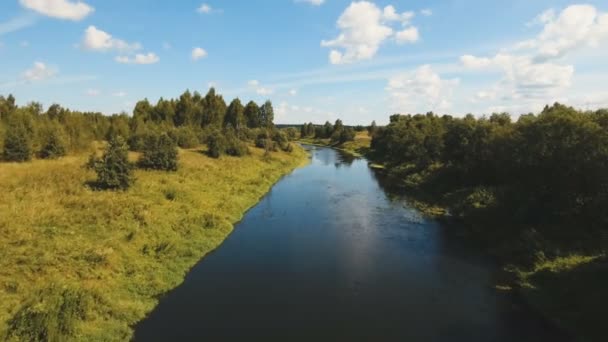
[(547, 171), (155, 130), (337, 133)]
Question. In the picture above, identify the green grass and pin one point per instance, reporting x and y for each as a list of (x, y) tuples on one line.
[(571, 292), (79, 264)]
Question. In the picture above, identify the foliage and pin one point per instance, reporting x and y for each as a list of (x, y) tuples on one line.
[(17, 143), (159, 153), (54, 145), (114, 171)]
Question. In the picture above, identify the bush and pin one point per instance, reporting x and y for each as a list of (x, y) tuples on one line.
[(113, 170), (185, 137), (17, 144), (216, 144), (159, 153)]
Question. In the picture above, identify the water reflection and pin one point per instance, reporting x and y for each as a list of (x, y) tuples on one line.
[(327, 255)]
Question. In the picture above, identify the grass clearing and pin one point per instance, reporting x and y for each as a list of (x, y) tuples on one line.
[(99, 259), (358, 147)]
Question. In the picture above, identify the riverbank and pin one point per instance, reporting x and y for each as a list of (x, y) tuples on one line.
[(357, 148), (78, 264), (564, 280)]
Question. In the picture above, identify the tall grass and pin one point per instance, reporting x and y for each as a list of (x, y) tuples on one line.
[(80, 264)]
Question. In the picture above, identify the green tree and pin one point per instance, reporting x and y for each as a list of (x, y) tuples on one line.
[(159, 153), (235, 115), (114, 171), (252, 115), (17, 143), (53, 145), (214, 110), (266, 115)]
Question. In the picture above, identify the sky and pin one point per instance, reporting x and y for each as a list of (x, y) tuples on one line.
[(316, 60)]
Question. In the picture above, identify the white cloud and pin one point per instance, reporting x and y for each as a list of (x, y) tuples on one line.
[(577, 26), (61, 9), (259, 89), (293, 92), (39, 72), (204, 8), (198, 53), (93, 92), (312, 2), (363, 28), (409, 35), (17, 23), (146, 58), (98, 40), (427, 12), (119, 94), (420, 91)]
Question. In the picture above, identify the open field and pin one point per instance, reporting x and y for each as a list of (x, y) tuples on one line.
[(79, 264)]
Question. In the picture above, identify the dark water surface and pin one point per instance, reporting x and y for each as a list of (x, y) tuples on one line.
[(326, 255)]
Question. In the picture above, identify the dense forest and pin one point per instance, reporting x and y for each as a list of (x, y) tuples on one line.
[(543, 177)]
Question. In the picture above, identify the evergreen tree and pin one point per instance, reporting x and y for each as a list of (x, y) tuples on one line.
[(54, 145), (17, 143), (113, 169)]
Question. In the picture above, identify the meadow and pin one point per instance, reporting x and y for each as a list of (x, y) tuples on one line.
[(86, 265)]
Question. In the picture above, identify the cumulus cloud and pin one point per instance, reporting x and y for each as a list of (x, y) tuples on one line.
[(293, 92), (39, 72), (427, 12), (147, 58), (420, 91), (119, 94), (198, 53), (532, 70), (98, 40), (61, 9), (575, 27), (204, 8), (363, 28)]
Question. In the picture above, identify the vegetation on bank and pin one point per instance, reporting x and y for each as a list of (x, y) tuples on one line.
[(92, 233), (355, 141), (533, 192)]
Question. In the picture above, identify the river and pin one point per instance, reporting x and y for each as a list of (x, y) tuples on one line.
[(327, 254)]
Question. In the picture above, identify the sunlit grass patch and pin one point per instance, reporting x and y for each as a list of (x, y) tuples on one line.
[(120, 248)]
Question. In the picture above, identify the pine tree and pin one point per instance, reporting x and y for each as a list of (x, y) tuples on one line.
[(17, 144), (113, 169), (54, 145)]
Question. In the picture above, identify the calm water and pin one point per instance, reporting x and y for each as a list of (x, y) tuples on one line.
[(326, 255)]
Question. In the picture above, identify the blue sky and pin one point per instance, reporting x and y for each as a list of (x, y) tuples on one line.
[(316, 60)]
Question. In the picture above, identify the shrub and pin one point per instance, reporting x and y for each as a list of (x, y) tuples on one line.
[(185, 137), (159, 153), (216, 144), (113, 170)]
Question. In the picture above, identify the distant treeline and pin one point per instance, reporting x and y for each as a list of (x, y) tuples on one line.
[(541, 178), (190, 120), (337, 133)]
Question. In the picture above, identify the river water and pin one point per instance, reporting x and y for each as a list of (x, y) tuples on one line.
[(329, 255)]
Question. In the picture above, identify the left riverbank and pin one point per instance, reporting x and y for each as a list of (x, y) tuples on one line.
[(78, 264)]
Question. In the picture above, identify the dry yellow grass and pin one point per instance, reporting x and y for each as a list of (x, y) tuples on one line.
[(122, 249)]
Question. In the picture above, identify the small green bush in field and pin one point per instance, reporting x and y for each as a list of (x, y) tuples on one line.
[(113, 169), (50, 315), (159, 153)]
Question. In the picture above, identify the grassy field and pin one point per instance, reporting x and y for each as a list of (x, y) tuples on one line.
[(78, 264), (359, 147)]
